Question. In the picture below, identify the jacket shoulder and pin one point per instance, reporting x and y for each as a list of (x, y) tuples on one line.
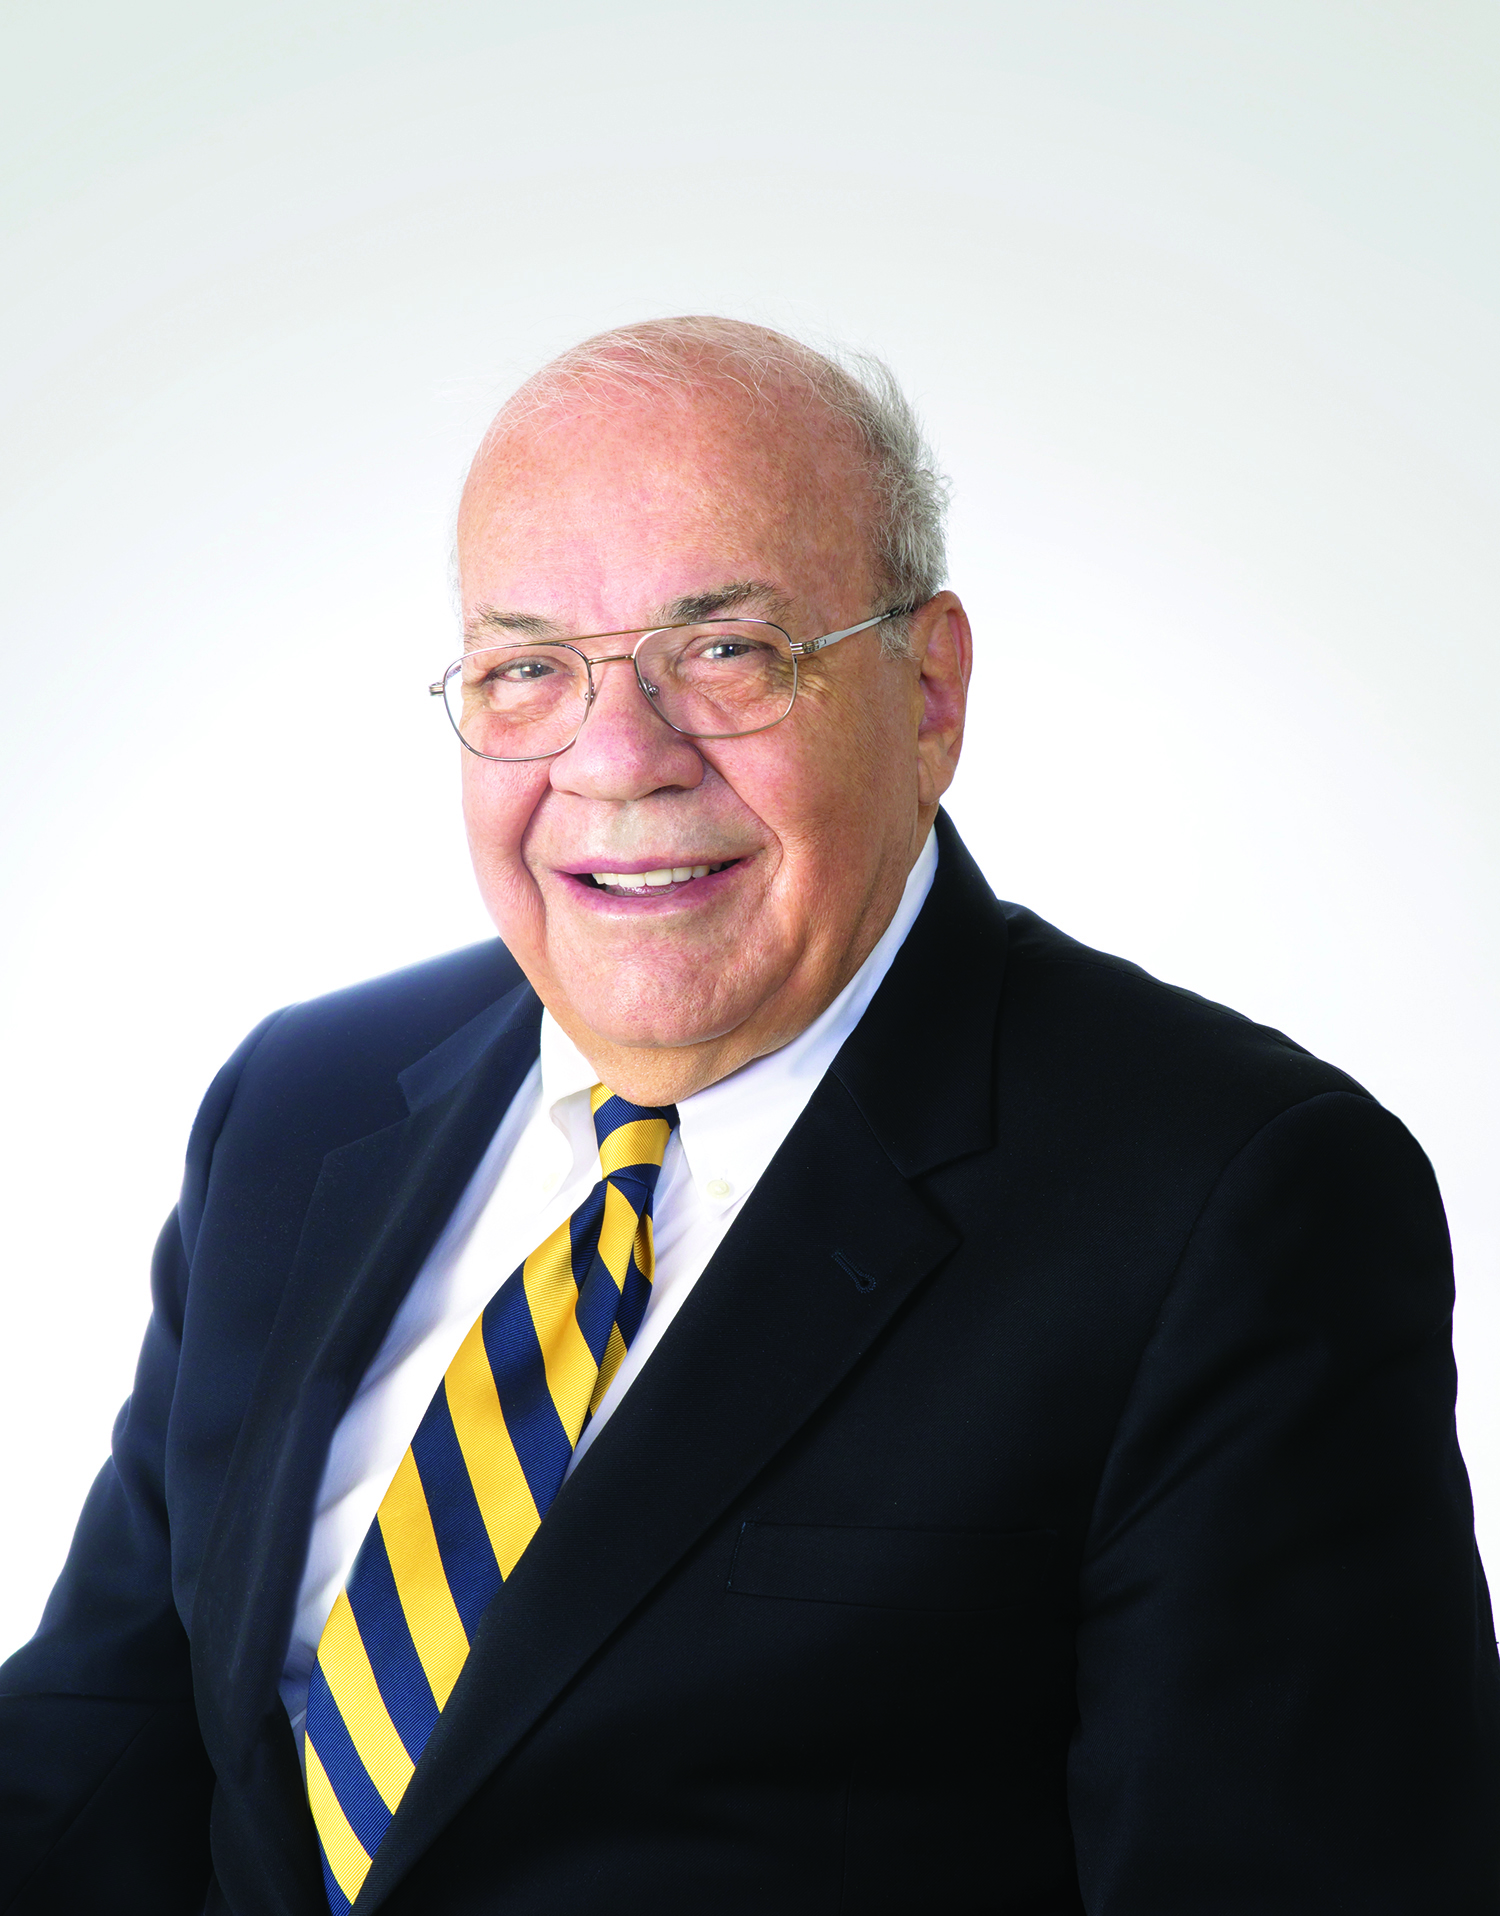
[(335, 1062), (1107, 1033), (405, 1013)]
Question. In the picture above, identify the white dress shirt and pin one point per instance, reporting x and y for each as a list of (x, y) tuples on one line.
[(541, 1163)]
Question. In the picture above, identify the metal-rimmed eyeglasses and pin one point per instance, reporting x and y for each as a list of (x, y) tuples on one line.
[(715, 678)]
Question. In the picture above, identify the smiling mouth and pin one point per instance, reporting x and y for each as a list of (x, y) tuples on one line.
[(651, 884)]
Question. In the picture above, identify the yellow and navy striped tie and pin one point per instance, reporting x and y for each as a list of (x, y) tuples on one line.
[(486, 1462)]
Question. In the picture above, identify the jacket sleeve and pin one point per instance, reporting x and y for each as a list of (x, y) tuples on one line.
[(104, 1784), (1289, 1700)]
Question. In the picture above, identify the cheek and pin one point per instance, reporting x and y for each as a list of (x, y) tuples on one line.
[(837, 792), (499, 801)]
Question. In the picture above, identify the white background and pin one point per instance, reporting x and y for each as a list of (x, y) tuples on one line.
[(1199, 301)]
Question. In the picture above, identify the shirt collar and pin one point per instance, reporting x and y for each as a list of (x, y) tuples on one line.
[(731, 1130)]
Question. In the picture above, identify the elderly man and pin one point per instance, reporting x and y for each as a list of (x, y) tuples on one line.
[(785, 1384)]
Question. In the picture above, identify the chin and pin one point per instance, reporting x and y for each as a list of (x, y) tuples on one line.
[(657, 1014), (652, 1033)]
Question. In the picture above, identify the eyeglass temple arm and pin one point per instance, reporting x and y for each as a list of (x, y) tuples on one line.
[(806, 646)]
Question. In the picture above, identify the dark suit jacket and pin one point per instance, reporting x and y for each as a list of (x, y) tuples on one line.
[(1046, 1501)]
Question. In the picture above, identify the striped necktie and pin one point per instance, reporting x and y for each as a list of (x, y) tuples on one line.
[(487, 1460)]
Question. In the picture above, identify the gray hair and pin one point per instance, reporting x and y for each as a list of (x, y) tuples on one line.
[(668, 354)]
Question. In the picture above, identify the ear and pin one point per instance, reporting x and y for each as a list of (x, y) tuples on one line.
[(943, 648)]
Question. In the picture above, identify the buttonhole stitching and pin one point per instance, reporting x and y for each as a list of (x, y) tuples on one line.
[(862, 1279)]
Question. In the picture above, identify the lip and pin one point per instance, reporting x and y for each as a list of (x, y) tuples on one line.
[(577, 880), (582, 867)]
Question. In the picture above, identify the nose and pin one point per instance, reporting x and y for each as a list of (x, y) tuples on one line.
[(624, 750)]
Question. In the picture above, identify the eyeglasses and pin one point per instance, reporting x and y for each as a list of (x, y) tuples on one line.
[(718, 678)]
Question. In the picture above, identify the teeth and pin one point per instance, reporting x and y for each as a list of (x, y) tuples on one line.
[(654, 880)]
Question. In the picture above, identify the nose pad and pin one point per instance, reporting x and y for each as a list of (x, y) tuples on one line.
[(652, 692), (617, 755)]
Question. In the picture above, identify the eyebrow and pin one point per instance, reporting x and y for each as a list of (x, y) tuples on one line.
[(726, 598), (487, 621)]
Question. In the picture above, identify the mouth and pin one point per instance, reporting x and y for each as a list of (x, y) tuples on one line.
[(661, 881)]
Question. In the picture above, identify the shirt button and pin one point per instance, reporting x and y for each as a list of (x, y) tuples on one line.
[(719, 1188)]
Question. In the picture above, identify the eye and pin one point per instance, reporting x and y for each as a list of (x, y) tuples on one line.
[(727, 648), (521, 671)]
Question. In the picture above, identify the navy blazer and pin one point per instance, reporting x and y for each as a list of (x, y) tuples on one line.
[(1047, 1500)]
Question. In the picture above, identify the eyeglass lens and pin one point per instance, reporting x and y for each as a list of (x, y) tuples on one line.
[(715, 680)]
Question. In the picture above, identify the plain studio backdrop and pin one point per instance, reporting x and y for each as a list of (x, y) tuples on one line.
[(1198, 301)]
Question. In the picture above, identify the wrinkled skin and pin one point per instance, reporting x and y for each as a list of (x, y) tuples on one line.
[(599, 517)]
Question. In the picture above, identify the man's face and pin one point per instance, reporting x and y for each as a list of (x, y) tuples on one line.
[(610, 516)]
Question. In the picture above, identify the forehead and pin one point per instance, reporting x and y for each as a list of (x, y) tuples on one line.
[(613, 503)]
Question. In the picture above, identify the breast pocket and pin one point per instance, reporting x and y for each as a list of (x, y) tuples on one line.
[(893, 1569)]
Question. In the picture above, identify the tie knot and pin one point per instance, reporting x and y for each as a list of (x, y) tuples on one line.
[(630, 1135)]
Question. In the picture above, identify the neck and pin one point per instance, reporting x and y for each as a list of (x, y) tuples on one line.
[(665, 1074)]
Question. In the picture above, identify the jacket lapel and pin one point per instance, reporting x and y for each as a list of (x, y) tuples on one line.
[(829, 1247), (375, 1212)]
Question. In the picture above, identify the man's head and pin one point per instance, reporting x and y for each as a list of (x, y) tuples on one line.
[(673, 470)]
